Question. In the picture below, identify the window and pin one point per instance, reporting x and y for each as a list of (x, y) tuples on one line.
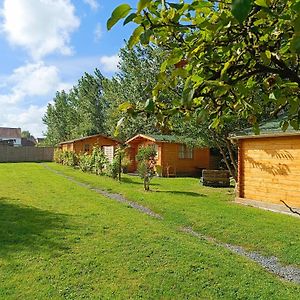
[(185, 152), (156, 149), (86, 148)]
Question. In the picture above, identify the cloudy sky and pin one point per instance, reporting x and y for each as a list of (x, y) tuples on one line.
[(47, 45)]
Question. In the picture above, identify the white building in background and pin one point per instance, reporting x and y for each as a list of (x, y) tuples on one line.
[(10, 136)]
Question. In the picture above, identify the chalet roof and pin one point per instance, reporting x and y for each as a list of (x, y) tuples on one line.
[(267, 129), (162, 138), (87, 137), (6, 132)]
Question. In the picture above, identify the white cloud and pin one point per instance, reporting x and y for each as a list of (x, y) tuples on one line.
[(40, 26), (98, 32), (27, 85), (92, 3), (27, 119), (109, 63), (36, 79)]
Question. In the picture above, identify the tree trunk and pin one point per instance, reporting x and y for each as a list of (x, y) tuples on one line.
[(231, 155), (120, 166), (146, 183), (232, 173)]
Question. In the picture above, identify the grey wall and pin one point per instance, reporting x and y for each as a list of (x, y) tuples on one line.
[(23, 154)]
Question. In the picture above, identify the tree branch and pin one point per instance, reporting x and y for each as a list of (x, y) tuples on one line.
[(290, 208)]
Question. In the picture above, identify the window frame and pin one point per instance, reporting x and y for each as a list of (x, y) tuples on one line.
[(185, 152)]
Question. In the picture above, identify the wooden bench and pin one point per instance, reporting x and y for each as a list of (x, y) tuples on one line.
[(216, 178)]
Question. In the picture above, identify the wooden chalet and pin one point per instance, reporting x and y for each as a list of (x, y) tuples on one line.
[(86, 144), (173, 157), (269, 169)]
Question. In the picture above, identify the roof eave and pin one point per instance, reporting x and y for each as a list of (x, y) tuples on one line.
[(142, 136), (268, 135), (87, 137)]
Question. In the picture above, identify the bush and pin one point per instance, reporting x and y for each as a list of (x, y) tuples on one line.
[(146, 164), (119, 162), (67, 158), (112, 169), (85, 162), (58, 156), (70, 158), (98, 161)]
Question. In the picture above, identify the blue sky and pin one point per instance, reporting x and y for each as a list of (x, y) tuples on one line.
[(45, 46)]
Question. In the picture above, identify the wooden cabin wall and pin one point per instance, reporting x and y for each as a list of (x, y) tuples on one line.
[(79, 146), (67, 147), (133, 150), (193, 166), (269, 169)]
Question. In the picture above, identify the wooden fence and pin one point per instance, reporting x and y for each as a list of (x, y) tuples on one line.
[(25, 154)]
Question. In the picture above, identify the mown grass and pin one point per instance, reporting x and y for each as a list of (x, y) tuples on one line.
[(62, 241), (211, 211)]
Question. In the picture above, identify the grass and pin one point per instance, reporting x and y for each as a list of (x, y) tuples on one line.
[(211, 211), (62, 241)]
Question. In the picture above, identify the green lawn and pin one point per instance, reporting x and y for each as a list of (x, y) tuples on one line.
[(62, 241)]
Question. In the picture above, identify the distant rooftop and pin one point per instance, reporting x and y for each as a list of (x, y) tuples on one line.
[(6, 132)]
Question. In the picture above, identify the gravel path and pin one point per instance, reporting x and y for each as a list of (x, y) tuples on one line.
[(271, 264), (116, 197)]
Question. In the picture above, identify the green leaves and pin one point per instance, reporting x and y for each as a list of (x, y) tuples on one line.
[(129, 18), (119, 13), (135, 37), (241, 8), (142, 4), (295, 42), (228, 66), (118, 127), (263, 3), (149, 106)]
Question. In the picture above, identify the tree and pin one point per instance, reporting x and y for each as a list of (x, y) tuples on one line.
[(146, 164), (131, 88), (223, 51), (57, 119), (79, 112), (89, 104), (26, 134)]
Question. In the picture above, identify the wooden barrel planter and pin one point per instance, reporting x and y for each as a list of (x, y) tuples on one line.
[(216, 178)]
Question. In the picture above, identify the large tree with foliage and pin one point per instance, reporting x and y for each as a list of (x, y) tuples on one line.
[(131, 90), (77, 113), (223, 50)]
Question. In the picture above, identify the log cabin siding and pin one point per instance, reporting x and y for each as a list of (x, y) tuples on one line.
[(168, 157), (80, 145), (185, 166), (269, 169)]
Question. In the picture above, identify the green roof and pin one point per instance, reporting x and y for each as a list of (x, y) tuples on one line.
[(193, 142), (165, 138), (268, 128)]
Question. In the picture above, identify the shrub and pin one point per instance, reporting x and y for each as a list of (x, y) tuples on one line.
[(85, 162), (58, 156), (67, 158), (115, 168), (112, 169), (98, 161), (70, 158), (146, 164)]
